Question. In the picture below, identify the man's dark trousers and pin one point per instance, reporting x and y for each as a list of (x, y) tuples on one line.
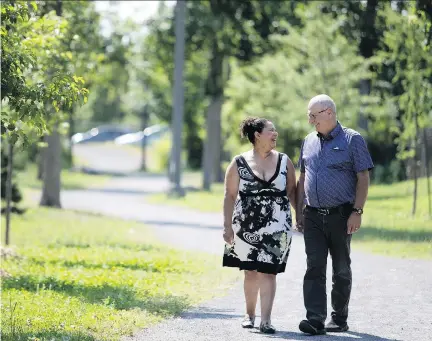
[(323, 234)]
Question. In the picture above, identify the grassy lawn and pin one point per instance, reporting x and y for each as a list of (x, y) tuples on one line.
[(387, 228), (77, 276), (69, 179)]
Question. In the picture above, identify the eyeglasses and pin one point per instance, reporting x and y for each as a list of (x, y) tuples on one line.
[(315, 115)]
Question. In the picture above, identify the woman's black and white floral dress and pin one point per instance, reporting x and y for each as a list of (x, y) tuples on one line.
[(261, 221)]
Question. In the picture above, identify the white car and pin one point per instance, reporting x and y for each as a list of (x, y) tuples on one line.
[(146, 136), (100, 134)]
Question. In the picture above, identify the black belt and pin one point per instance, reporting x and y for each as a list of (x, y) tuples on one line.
[(330, 210)]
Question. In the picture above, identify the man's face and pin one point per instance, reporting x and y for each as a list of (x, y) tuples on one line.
[(320, 117)]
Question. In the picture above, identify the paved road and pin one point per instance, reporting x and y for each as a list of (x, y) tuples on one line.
[(391, 298)]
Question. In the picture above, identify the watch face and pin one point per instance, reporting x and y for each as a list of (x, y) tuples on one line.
[(358, 210)]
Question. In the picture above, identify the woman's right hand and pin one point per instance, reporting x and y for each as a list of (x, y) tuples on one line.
[(228, 235)]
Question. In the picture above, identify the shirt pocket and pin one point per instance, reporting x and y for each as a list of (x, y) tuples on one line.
[(339, 159)]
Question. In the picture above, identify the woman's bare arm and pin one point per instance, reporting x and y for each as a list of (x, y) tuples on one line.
[(232, 181), (291, 184)]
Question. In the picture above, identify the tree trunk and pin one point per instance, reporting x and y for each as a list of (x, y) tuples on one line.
[(212, 145), (144, 125), (41, 162), (211, 152), (52, 171), (194, 142), (52, 162), (70, 134), (368, 44), (365, 87), (414, 207), (426, 163), (218, 152), (178, 99), (9, 191)]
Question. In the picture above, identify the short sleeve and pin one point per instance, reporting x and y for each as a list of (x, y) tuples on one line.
[(300, 163), (360, 154)]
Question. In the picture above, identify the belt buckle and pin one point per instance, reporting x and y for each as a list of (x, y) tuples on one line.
[(324, 211)]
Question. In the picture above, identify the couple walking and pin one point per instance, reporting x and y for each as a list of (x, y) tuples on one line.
[(260, 186)]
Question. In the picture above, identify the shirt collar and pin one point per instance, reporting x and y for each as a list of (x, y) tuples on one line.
[(336, 130)]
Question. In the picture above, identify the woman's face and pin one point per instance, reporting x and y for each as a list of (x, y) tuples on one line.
[(268, 136)]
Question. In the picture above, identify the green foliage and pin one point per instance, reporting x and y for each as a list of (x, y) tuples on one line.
[(214, 30), (159, 154), (242, 32), (407, 49), (31, 79), (112, 58), (313, 59), (388, 174), (83, 277), (240, 29), (157, 73)]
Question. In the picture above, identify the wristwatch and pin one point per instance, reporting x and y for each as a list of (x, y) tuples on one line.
[(359, 211)]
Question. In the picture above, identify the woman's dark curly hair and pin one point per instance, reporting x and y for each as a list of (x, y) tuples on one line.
[(250, 125)]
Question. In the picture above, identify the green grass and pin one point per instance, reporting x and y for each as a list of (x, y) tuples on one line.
[(387, 227), (84, 277), (69, 179)]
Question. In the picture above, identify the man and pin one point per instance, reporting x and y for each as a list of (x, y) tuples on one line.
[(331, 193)]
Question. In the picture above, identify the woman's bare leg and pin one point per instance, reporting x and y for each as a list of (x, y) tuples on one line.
[(251, 287), (267, 287)]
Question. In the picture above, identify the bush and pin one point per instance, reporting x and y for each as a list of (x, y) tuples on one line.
[(388, 174), (159, 154)]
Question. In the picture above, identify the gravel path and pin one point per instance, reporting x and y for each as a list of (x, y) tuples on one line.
[(390, 300)]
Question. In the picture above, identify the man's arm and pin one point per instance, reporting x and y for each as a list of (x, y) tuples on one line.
[(361, 189), (354, 221), (362, 165), (300, 193)]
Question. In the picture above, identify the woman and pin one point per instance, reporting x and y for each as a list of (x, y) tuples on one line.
[(257, 217)]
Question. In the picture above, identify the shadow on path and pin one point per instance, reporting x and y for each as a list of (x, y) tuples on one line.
[(348, 336), (374, 233), (177, 223), (121, 191), (207, 314), (93, 171)]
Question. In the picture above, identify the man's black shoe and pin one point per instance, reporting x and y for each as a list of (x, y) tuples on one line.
[(307, 327), (333, 327)]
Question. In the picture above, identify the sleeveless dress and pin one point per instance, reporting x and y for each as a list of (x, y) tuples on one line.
[(261, 221)]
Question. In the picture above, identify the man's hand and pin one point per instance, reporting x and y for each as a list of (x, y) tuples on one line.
[(354, 222), (299, 227), (228, 235), (299, 223)]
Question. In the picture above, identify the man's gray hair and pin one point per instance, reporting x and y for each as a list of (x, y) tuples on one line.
[(325, 101)]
